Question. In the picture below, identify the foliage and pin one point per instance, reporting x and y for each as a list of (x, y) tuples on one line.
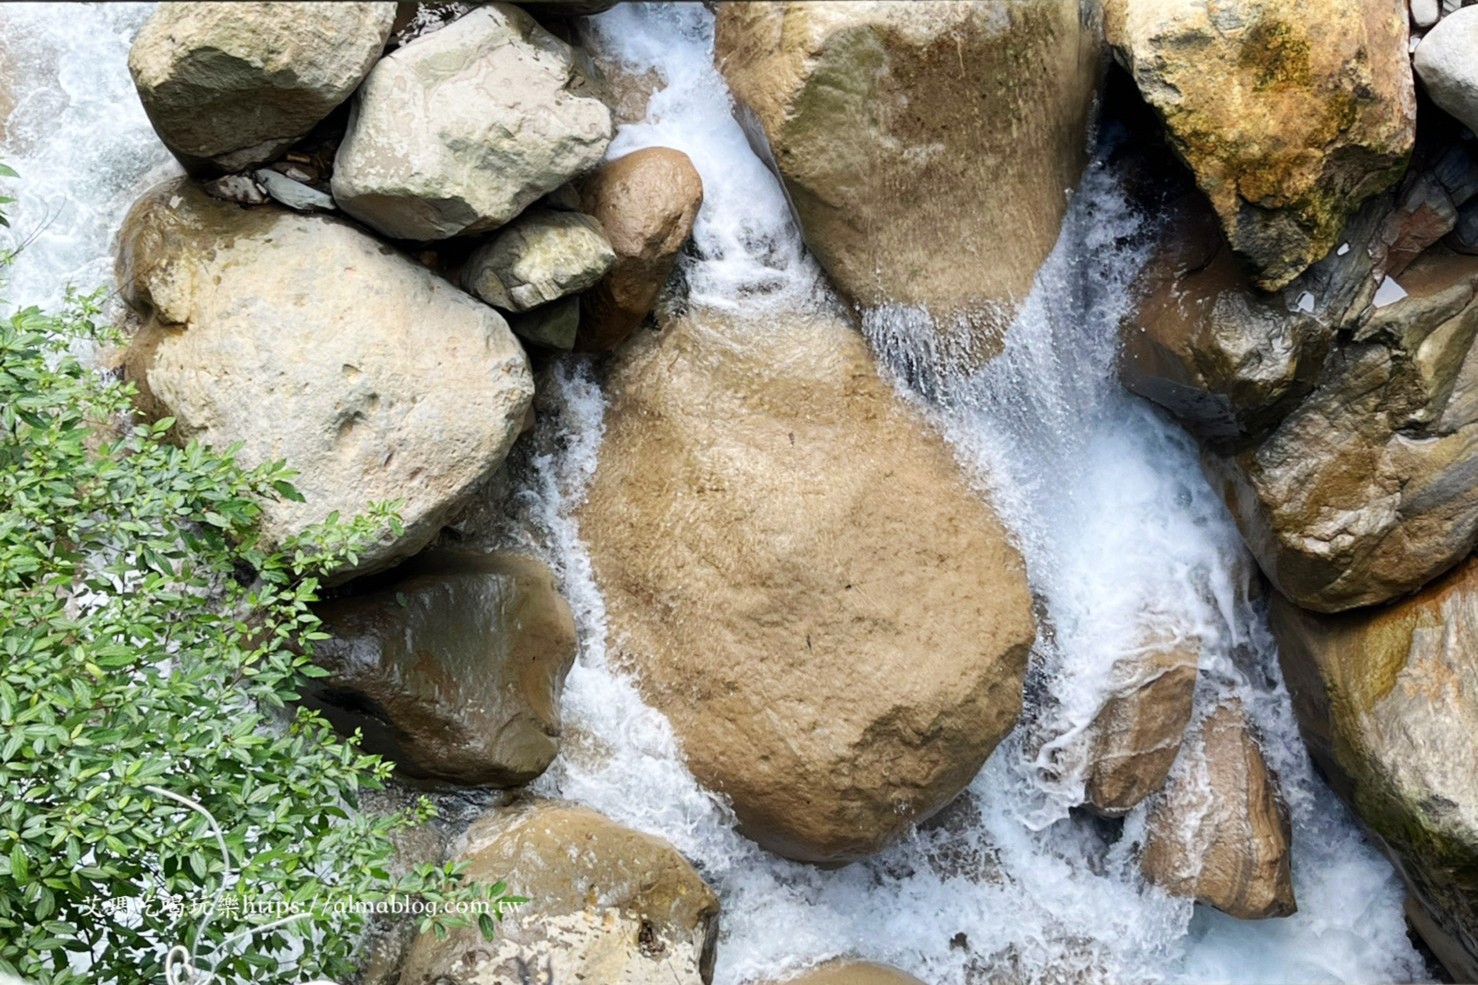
[(149, 638)]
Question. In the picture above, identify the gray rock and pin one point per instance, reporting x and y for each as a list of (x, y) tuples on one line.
[(238, 188), (460, 130), (540, 257), (1444, 62), (230, 85), (294, 194), (554, 325), (305, 339), (1424, 13)]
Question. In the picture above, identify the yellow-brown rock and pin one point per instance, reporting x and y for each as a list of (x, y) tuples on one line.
[(835, 623), (852, 973), (1220, 832), (1387, 699), (928, 148), (1289, 112)]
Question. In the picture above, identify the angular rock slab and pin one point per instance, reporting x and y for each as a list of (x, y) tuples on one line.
[(1387, 699), (230, 85), (540, 257), (460, 130), (927, 148), (1290, 113), (451, 666), (307, 340), (1220, 833), (834, 621), (607, 905)]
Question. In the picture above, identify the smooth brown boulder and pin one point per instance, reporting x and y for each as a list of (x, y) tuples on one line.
[(1137, 733), (646, 202), (1387, 699), (1289, 112), (451, 666), (834, 621), (1220, 833), (852, 973), (927, 148), (1365, 491), (305, 339), (607, 905)]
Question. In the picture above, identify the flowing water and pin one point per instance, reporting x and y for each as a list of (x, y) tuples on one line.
[(1119, 530)]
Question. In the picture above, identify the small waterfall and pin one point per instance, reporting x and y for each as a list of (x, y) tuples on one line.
[(1105, 498)]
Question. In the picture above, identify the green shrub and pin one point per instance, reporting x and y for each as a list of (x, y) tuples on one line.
[(148, 639)]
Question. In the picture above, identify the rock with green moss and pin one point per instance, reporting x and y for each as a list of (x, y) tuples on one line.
[(1387, 699), (1290, 113), (928, 148)]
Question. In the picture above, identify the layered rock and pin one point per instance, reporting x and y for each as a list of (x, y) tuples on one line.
[(229, 86), (852, 973), (834, 666), (303, 339), (1444, 62), (927, 148), (646, 202), (1290, 114), (540, 257), (1137, 733), (461, 129), (451, 666), (1386, 699), (606, 904), (1364, 492), (1219, 833)]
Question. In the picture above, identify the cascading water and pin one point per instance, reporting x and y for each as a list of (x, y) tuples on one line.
[(1119, 530)]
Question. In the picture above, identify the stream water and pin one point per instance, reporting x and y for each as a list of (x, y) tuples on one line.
[(1117, 525)]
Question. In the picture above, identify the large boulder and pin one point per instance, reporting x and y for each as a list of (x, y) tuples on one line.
[(451, 666), (1289, 113), (540, 257), (927, 148), (646, 202), (835, 623), (1137, 733), (852, 973), (460, 130), (606, 905), (231, 85), (1387, 699), (1444, 63), (303, 339), (1365, 491), (1220, 833)]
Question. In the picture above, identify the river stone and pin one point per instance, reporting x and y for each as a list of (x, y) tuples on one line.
[(1289, 112), (1220, 833), (231, 85), (1444, 63), (646, 202), (305, 339), (607, 905), (927, 148), (540, 257), (451, 666), (1137, 733), (1367, 490), (554, 325), (852, 973), (460, 130), (1386, 699), (833, 665)]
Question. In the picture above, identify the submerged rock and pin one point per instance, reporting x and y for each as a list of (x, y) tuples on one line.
[(835, 623), (606, 905), (451, 666), (852, 973), (1290, 114), (646, 202), (927, 148), (1386, 699), (540, 257), (231, 85), (1220, 833), (304, 339), (461, 129)]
